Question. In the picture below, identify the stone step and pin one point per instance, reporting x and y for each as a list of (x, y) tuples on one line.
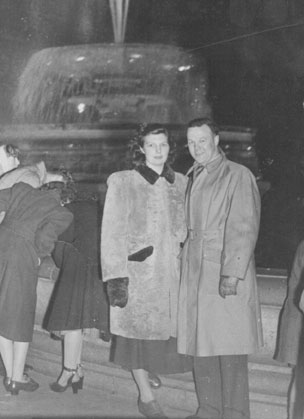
[(268, 381)]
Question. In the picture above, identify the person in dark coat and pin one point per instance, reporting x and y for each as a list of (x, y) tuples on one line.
[(78, 301), (290, 340), (31, 222)]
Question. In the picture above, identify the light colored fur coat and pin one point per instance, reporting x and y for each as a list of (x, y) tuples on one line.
[(138, 214)]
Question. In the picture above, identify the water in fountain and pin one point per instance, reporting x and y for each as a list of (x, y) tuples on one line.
[(109, 84)]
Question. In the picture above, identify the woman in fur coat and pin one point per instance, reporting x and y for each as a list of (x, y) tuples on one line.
[(143, 227)]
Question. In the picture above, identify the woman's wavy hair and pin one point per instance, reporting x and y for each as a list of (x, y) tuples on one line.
[(137, 142)]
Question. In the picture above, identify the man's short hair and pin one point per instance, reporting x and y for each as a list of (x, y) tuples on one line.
[(199, 122)]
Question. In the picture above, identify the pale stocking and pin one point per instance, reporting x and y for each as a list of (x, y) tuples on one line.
[(20, 352), (142, 382), (72, 354), (7, 354)]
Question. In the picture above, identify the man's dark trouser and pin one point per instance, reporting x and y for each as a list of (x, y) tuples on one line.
[(222, 386)]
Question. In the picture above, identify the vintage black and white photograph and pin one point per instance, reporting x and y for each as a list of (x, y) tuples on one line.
[(152, 209)]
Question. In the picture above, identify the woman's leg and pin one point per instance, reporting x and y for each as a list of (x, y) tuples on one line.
[(20, 352), (147, 405), (7, 354), (142, 381), (72, 354), (79, 366), (291, 395)]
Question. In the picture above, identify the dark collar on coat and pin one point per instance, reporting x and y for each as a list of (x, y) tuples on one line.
[(214, 164), (152, 176)]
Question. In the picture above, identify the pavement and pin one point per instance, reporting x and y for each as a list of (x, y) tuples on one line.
[(90, 403)]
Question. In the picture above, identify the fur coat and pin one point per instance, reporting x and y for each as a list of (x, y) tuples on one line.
[(143, 209)]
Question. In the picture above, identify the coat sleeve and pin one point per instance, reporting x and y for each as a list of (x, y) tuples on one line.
[(181, 228), (5, 196), (242, 226), (114, 228), (296, 277), (47, 233)]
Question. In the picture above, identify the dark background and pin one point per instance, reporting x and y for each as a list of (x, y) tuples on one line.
[(254, 51)]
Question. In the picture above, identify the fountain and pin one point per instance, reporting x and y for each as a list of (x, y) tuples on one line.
[(78, 106)]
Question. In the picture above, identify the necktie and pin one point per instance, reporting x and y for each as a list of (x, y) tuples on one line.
[(197, 170)]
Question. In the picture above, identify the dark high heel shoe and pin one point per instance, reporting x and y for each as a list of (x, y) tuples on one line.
[(154, 381), (29, 385), (58, 388)]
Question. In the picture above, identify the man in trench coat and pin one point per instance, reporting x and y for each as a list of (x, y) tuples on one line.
[(219, 320)]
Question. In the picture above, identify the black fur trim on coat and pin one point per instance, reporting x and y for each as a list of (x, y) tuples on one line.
[(151, 176)]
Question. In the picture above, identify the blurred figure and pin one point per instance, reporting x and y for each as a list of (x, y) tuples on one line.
[(290, 341)]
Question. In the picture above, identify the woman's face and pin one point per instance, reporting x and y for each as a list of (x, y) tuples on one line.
[(156, 149)]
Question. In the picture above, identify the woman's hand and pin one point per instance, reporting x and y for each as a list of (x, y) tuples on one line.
[(117, 289)]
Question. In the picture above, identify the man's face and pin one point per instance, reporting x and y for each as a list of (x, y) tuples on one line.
[(202, 144)]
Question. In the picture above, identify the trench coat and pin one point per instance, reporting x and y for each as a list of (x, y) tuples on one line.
[(33, 220), (138, 214), (222, 215)]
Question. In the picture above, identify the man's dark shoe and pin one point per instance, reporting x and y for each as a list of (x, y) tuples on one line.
[(154, 381), (28, 385)]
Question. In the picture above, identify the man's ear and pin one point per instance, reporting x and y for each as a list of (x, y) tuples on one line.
[(142, 150), (216, 140)]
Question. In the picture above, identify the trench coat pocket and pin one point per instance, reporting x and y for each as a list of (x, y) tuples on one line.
[(141, 255), (212, 254), (212, 258)]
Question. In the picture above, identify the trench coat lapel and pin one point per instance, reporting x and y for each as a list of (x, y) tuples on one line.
[(187, 196)]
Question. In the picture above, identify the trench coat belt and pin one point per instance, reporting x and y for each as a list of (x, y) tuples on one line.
[(198, 234), (19, 229)]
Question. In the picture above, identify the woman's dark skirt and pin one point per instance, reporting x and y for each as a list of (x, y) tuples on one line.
[(157, 356), (78, 300)]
